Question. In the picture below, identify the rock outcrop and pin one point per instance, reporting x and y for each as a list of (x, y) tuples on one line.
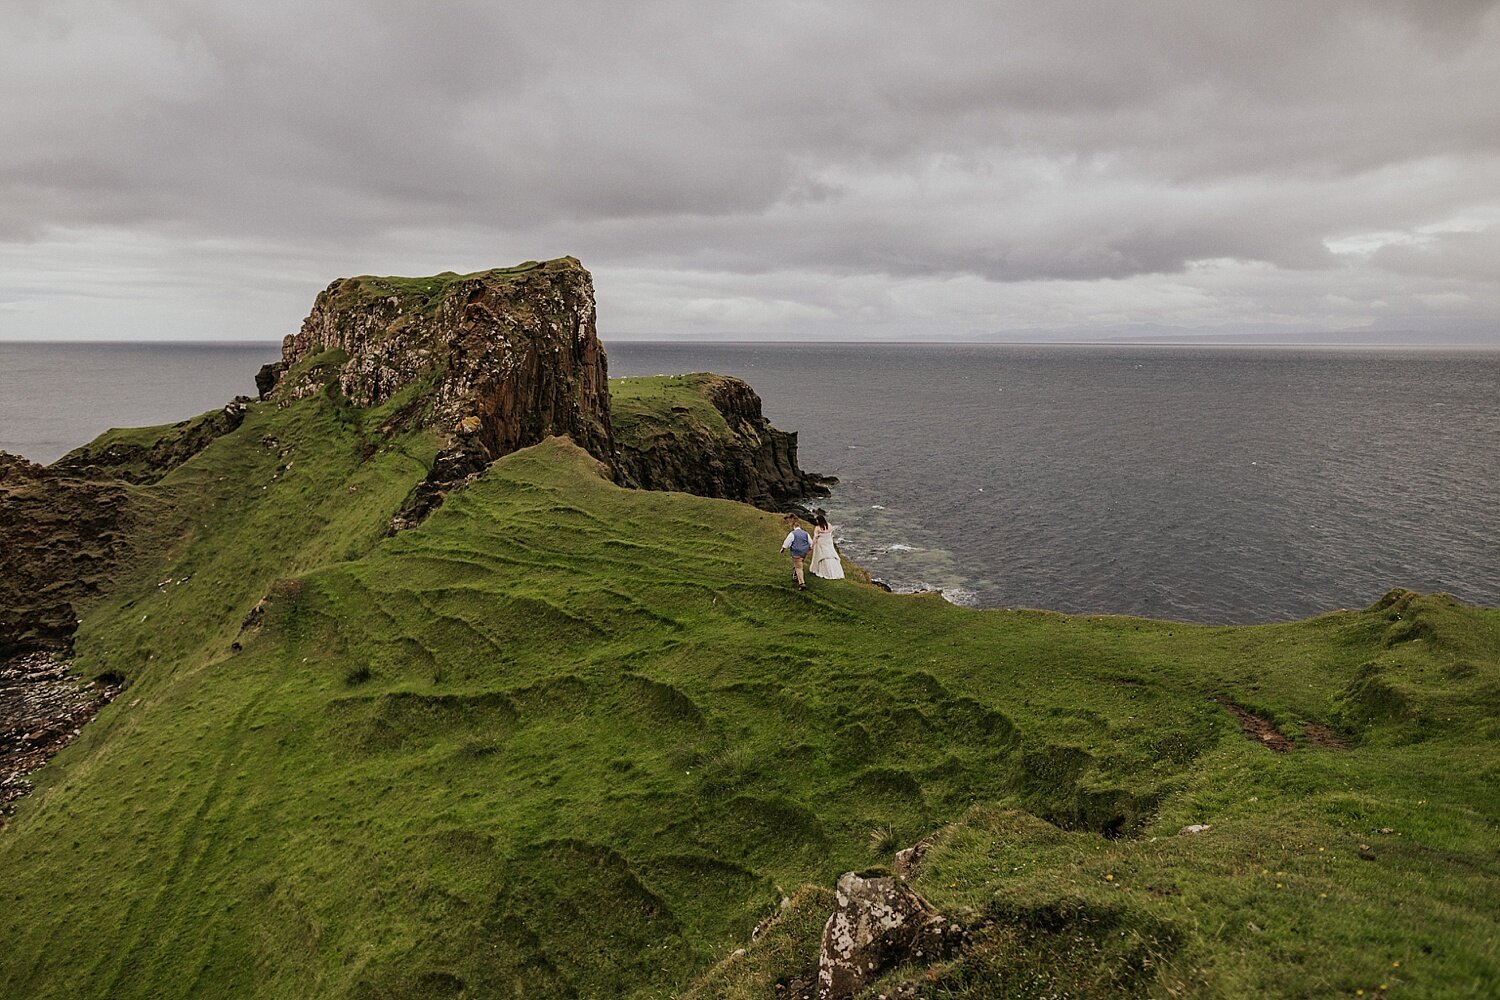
[(668, 440), (501, 359), (61, 537), (513, 352), (879, 923)]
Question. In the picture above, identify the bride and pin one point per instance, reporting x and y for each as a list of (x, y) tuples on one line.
[(824, 557)]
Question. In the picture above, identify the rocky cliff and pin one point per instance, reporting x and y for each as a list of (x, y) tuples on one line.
[(512, 353), (61, 537), (503, 358), (706, 434)]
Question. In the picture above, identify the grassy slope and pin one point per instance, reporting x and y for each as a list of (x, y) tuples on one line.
[(565, 739), (644, 408)]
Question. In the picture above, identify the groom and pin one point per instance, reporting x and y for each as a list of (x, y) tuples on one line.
[(799, 544)]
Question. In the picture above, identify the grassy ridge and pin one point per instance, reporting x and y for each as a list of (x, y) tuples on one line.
[(569, 740), (644, 408)]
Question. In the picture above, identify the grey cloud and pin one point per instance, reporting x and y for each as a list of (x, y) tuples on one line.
[(1013, 142), (1456, 257)]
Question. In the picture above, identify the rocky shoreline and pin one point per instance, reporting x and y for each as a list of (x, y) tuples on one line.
[(43, 707)]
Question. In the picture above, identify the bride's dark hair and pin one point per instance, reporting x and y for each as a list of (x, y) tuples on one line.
[(820, 521)]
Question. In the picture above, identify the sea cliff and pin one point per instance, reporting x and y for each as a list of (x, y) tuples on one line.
[(705, 434), (511, 354)]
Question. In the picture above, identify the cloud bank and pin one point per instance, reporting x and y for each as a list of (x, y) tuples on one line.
[(197, 169)]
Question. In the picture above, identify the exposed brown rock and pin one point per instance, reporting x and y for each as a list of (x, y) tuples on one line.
[(515, 348), (61, 538)]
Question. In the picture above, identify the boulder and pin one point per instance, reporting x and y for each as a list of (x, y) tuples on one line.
[(879, 922)]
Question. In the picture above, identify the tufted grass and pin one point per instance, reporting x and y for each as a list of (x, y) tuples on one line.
[(646, 408), (565, 739)]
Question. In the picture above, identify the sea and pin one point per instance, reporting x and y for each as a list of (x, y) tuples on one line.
[(1198, 484)]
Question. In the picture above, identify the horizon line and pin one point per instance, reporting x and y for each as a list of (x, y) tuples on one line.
[(783, 340)]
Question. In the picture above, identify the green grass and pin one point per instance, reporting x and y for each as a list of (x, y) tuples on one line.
[(565, 739), (140, 454), (351, 292), (644, 408)]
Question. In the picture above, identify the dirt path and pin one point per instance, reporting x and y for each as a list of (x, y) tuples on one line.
[(1258, 730), (1321, 736), (1262, 731)]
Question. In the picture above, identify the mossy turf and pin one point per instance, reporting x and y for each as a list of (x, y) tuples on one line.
[(350, 292), (643, 408), (141, 454), (565, 739)]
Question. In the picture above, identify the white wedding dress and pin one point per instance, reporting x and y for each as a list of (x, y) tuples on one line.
[(824, 557)]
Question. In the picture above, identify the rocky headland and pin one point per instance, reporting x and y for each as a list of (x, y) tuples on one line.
[(705, 434), (484, 363), (498, 360), (491, 362)]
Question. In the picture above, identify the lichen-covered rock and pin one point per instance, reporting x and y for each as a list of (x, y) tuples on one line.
[(879, 922), (512, 354)]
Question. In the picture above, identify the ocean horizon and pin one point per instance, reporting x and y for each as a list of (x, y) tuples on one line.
[(1210, 483)]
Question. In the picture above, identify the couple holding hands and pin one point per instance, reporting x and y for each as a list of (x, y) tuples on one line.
[(819, 545)]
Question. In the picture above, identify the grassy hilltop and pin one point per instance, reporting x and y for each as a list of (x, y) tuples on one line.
[(569, 740)]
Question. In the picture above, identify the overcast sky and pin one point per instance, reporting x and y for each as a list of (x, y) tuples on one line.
[(1028, 169)]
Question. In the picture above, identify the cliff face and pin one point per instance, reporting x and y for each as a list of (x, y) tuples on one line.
[(61, 536), (706, 434), (513, 353), (510, 356)]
